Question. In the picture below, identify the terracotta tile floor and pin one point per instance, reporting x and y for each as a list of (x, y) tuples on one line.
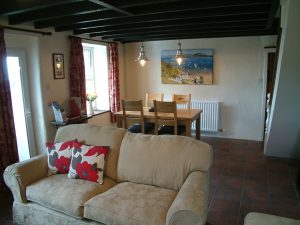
[(242, 180)]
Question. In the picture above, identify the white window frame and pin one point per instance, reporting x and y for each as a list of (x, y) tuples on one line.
[(101, 89)]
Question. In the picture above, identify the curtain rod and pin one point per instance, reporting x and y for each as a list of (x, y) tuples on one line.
[(27, 30), (89, 39)]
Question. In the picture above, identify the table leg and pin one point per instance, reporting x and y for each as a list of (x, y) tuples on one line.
[(188, 126), (198, 121)]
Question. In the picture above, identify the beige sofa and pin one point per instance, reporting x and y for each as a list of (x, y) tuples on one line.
[(148, 180)]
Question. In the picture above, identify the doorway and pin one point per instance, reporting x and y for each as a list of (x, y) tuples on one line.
[(269, 80), (18, 80)]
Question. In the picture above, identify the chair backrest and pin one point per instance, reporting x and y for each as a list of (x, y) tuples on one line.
[(165, 114), (133, 106), (183, 99), (153, 96)]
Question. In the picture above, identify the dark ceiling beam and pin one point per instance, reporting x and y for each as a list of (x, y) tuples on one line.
[(184, 30), (163, 24), (194, 25), (94, 16), (107, 5), (53, 11), (191, 14), (139, 3), (163, 6), (8, 7), (196, 32), (189, 4), (73, 19), (272, 14), (164, 16), (195, 36)]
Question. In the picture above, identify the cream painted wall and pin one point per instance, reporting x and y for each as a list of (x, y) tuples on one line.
[(238, 80), (43, 87), (283, 137), (31, 46)]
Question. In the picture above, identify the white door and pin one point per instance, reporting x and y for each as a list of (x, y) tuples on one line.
[(18, 79)]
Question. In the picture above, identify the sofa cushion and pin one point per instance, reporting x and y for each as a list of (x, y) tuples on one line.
[(130, 204), (166, 161), (59, 156), (88, 162), (65, 195), (97, 136)]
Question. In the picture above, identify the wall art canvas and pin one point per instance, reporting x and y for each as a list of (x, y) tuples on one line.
[(196, 68)]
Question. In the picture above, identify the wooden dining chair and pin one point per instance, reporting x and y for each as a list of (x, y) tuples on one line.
[(135, 123), (183, 100), (153, 96), (166, 118)]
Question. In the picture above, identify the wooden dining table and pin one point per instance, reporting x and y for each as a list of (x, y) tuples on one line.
[(184, 116)]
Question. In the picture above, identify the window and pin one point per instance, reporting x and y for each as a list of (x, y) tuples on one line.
[(96, 73)]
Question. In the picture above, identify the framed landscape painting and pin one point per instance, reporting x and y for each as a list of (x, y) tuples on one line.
[(196, 68)]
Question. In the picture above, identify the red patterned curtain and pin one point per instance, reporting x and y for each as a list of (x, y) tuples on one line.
[(114, 88), (77, 72), (8, 142)]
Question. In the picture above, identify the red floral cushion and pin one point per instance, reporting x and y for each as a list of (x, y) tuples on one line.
[(88, 162), (59, 156)]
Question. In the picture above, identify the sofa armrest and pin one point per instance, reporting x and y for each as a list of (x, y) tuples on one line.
[(191, 203), (19, 175)]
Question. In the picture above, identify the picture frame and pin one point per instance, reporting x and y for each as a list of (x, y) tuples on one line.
[(58, 65), (196, 68)]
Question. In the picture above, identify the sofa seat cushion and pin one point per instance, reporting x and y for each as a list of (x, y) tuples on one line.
[(130, 204), (65, 195)]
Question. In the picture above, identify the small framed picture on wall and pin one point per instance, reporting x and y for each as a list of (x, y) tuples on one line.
[(58, 65)]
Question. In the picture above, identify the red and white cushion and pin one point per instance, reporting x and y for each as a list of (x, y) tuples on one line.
[(88, 162), (59, 156)]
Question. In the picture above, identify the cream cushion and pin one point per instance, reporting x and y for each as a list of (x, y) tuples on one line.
[(163, 161), (130, 204), (255, 218), (97, 136), (65, 195)]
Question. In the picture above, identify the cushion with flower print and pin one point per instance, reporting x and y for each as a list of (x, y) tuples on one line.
[(59, 156), (88, 162)]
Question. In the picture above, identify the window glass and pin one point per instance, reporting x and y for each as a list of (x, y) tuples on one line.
[(96, 74)]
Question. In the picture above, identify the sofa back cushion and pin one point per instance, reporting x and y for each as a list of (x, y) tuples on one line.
[(97, 136), (163, 161)]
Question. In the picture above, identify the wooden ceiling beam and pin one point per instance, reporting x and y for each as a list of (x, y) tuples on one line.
[(195, 32), (163, 24), (9, 7), (194, 25), (184, 30), (73, 19), (272, 14), (53, 11), (164, 17), (195, 36), (109, 6), (205, 5), (194, 13), (162, 8)]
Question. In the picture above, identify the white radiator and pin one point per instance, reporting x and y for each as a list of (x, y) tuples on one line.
[(209, 116)]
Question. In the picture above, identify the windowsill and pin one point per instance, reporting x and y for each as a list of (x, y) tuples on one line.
[(98, 112), (101, 111)]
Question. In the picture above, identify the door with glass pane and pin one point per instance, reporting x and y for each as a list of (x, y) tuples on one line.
[(18, 80)]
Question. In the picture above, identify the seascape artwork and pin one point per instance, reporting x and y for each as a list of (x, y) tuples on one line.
[(196, 68)]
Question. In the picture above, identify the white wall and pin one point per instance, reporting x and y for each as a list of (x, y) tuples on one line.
[(43, 87), (237, 75), (283, 137), (30, 44)]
